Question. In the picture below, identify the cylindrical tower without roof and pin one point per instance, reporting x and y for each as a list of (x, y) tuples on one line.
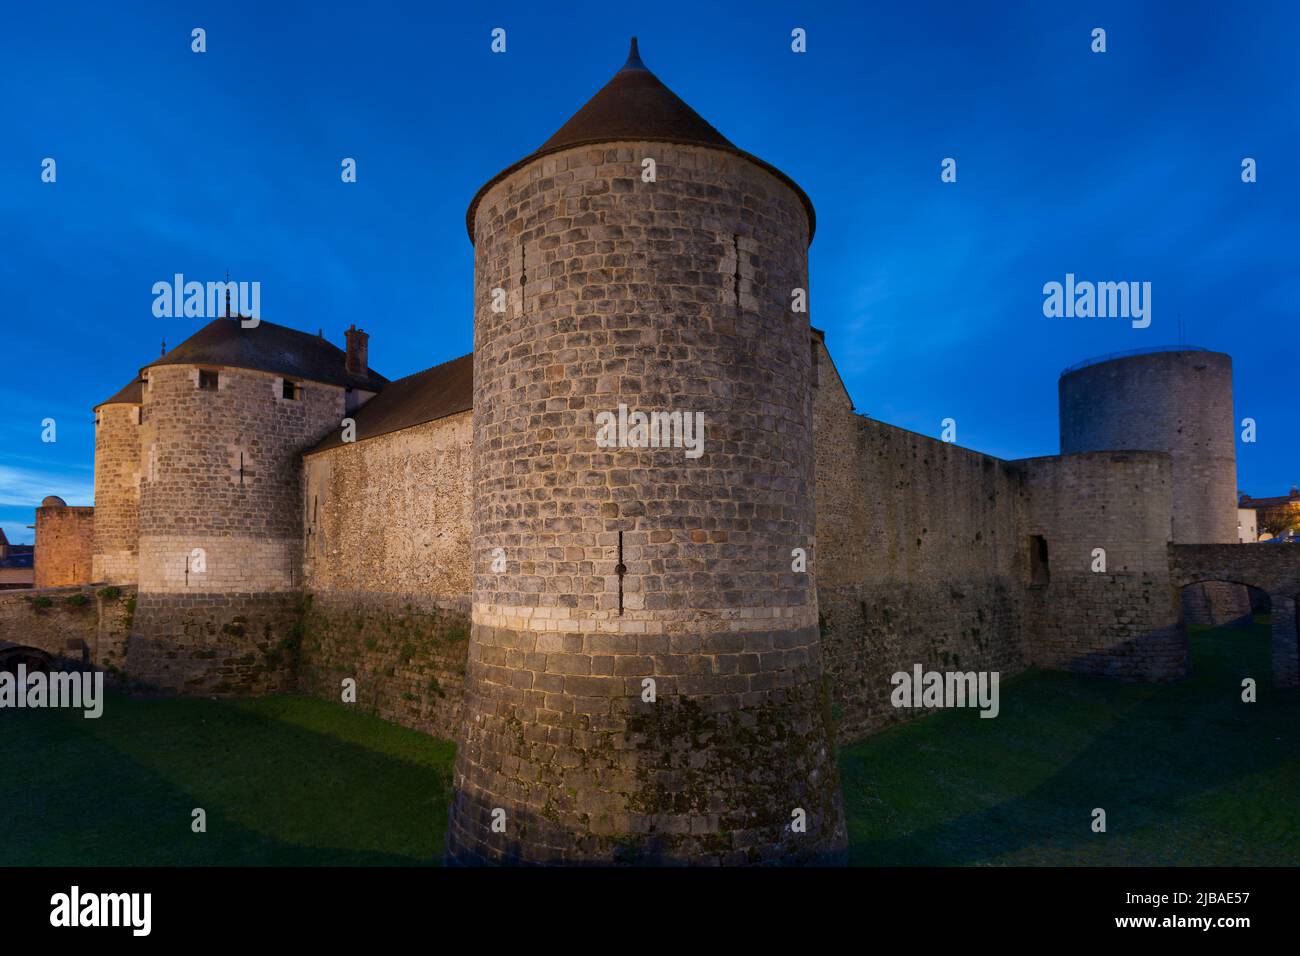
[(644, 680), (1176, 401)]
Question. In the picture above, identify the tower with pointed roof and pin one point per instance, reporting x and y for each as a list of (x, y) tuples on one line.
[(644, 680), (223, 420)]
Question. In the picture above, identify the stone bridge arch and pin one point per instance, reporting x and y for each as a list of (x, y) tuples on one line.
[(11, 655), (1273, 568)]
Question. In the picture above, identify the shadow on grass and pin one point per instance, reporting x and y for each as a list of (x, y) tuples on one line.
[(1187, 773), (284, 781)]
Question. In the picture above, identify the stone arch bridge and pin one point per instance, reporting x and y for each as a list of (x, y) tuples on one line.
[(1273, 568)]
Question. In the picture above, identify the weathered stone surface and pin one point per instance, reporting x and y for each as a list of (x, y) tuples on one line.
[(64, 545), (663, 296), (1123, 621), (391, 513), (918, 558), (86, 625), (1179, 402), (219, 644), (406, 652), (117, 494), (220, 528), (1272, 568)]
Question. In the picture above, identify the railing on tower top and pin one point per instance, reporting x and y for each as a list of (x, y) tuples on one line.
[(1097, 360)]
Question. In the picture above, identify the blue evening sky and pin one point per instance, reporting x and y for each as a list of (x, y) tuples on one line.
[(1117, 166)]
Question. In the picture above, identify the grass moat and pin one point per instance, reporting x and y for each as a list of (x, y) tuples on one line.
[(1187, 773)]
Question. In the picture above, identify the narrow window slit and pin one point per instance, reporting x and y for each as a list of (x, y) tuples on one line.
[(620, 569), (735, 245)]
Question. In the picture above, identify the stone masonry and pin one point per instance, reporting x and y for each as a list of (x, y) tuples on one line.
[(660, 299), (117, 494), (221, 526), (64, 544), (622, 639)]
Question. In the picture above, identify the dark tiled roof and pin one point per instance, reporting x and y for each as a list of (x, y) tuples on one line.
[(18, 560), (132, 393), (423, 397), (1249, 502), (268, 347), (636, 105)]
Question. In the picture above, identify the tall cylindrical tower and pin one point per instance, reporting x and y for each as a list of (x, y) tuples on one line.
[(226, 417), (1177, 401), (117, 487), (644, 680)]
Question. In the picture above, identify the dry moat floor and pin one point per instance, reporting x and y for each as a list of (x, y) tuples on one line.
[(1187, 774)]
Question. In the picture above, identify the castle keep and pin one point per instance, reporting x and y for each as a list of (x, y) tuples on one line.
[(624, 641)]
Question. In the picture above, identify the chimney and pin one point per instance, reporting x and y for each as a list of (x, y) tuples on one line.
[(357, 361)]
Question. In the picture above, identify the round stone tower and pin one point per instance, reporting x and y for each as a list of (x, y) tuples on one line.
[(1173, 400), (226, 416), (644, 680), (1177, 401), (117, 487)]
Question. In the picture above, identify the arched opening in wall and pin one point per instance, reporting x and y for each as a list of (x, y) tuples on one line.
[(1223, 604), (31, 659), (1229, 628)]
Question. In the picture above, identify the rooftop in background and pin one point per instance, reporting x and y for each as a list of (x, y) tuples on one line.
[(1109, 356), (268, 347), (1292, 499), (636, 106), (423, 397)]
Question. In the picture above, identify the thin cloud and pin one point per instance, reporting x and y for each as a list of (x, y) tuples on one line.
[(25, 487)]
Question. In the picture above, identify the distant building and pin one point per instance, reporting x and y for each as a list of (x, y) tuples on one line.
[(15, 564), (1275, 516), (1247, 530)]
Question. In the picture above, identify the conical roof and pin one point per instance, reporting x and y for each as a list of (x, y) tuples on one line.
[(132, 393), (636, 106)]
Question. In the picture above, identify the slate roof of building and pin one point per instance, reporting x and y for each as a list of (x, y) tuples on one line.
[(636, 106), (1248, 502), (268, 347), (423, 397), (132, 393), (18, 559)]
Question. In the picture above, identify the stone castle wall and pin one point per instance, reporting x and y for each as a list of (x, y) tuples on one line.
[(1123, 621), (117, 494), (221, 528), (64, 545), (391, 513), (919, 558), (387, 565), (87, 624), (672, 295), (405, 651)]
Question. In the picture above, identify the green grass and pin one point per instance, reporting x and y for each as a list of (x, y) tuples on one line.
[(284, 780), (1187, 774)]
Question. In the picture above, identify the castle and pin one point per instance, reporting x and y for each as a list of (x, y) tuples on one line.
[(644, 656)]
